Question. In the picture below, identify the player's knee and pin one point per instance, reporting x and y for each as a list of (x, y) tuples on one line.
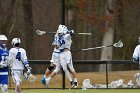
[(17, 83), (71, 69), (57, 70), (51, 68), (65, 69), (4, 88)]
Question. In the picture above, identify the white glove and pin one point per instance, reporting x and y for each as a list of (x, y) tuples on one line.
[(71, 32), (29, 70), (3, 64)]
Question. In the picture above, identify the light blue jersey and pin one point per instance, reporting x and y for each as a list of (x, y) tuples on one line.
[(3, 71)]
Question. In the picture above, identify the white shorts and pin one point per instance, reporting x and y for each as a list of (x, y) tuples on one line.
[(65, 57), (17, 76), (55, 58)]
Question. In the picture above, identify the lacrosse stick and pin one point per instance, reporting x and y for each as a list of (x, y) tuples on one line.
[(39, 32), (30, 76), (119, 44)]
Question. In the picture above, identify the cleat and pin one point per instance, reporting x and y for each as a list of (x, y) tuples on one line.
[(43, 81), (75, 84), (72, 84)]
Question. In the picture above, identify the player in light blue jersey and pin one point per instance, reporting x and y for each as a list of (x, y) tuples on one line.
[(3, 64)]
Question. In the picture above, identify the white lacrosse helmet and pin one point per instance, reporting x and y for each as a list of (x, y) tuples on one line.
[(15, 41), (3, 37), (62, 29), (3, 40)]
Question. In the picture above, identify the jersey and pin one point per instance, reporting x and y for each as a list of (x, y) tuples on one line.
[(16, 57), (56, 43), (56, 51), (136, 53), (65, 42), (4, 71)]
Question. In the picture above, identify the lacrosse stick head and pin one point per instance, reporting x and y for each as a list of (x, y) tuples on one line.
[(40, 32), (119, 44)]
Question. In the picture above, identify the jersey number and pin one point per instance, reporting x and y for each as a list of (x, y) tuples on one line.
[(61, 42), (18, 56), (3, 58)]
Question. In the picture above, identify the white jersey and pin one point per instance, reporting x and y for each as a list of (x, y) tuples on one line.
[(65, 42), (136, 53), (56, 51), (56, 43), (16, 57)]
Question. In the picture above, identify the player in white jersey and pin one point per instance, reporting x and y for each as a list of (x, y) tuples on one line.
[(65, 36), (3, 64), (136, 53), (54, 61), (17, 60), (136, 58)]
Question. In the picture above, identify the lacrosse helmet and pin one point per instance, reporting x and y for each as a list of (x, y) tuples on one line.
[(16, 41), (62, 29), (3, 40)]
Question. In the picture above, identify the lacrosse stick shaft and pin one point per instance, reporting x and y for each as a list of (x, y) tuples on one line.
[(85, 49), (39, 32), (119, 44)]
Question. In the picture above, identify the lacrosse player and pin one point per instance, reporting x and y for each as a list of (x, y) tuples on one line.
[(55, 62), (65, 62), (3, 64), (136, 58), (65, 41), (136, 53), (17, 60)]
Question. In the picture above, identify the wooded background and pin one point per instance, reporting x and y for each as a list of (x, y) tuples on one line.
[(108, 20)]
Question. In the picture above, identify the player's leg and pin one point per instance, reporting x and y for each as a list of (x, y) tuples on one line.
[(4, 83), (73, 72), (56, 70), (70, 65), (49, 69), (4, 88), (63, 61), (17, 78)]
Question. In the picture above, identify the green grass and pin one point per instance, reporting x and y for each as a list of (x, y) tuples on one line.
[(79, 91)]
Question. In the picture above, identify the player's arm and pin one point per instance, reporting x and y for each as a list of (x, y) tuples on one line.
[(71, 32), (4, 61), (26, 63)]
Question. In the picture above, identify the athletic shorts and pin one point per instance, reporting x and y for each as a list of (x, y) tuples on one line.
[(17, 75), (3, 79)]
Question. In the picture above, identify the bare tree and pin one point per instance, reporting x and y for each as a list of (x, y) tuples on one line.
[(106, 53)]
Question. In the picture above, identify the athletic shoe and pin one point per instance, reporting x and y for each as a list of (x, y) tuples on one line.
[(75, 84), (47, 80), (43, 81)]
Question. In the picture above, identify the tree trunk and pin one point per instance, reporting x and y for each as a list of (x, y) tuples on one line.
[(28, 23), (106, 53)]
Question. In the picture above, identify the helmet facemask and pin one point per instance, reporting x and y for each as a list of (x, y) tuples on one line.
[(3, 43), (62, 29)]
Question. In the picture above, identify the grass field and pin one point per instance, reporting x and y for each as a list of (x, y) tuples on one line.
[(79, 91)]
